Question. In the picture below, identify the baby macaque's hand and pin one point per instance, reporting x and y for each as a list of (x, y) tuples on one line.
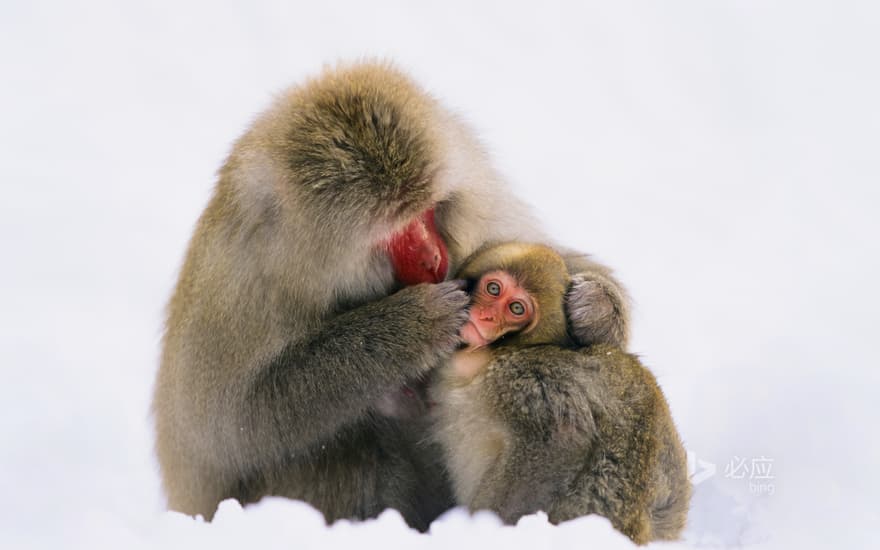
[(469, 362)]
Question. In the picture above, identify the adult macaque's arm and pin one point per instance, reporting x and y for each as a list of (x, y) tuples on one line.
[(597, 304)]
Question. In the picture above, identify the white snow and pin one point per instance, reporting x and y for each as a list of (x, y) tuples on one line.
[(722, 156)]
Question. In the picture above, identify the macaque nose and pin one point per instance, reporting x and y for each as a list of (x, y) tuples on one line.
[(431, 262), (418, 253), (486, 314)]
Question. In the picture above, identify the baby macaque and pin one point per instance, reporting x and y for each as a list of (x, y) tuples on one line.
[(527, 422)]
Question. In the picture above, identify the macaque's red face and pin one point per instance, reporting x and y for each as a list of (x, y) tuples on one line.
[(500, 305), (418, 253)]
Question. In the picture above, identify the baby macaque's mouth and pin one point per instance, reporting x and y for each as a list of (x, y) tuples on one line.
[(472, 336)]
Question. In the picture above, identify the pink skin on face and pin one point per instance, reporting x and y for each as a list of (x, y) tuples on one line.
[(418, 253), (499, 306)]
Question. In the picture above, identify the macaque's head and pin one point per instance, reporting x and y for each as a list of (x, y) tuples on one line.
[(518, 293)]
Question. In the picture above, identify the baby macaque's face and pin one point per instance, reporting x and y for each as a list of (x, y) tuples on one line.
[(499, 305)]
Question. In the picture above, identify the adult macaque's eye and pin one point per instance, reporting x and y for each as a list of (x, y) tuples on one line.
[(517, 308), (493, 288)]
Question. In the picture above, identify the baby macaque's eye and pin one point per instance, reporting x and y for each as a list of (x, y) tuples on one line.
[(493, 288), (517, 308)]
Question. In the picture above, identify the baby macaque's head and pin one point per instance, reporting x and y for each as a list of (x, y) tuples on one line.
[(518, 295)]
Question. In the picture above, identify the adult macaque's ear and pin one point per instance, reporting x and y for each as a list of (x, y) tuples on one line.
[(597, 310)]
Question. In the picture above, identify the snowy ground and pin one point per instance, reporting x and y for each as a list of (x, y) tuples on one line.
[(722, 156)]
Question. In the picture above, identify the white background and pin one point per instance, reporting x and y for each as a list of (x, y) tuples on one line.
[(721, 156)]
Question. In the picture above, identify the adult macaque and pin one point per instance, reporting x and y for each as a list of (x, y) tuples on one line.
[(527, 423), (302, 304)]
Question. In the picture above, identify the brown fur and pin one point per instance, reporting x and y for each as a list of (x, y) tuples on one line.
[(286, 327), (532, 424)]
